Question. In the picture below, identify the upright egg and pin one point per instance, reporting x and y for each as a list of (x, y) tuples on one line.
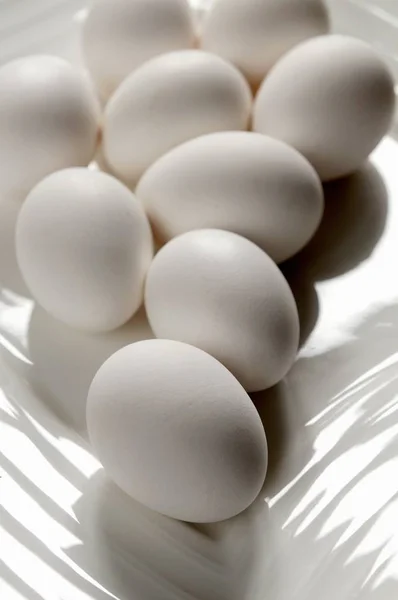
[(83, 246), (243, 182), (48, 121), (176, 431), (120, 35), (254, 34), (221, 293), (332, 98), (170, 100)]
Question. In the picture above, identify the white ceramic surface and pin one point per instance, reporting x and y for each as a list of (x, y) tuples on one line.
[(325, 527)]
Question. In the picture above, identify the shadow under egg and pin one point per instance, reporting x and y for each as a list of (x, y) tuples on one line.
[(306, 299), (65, 360), (356, 209), (281, 414), (10, 275), (134, 552)]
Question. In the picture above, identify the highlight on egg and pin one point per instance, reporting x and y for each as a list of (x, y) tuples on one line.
[(118, 36), (221, 293), (247, 183), (332, 98), (169, 100), (254, 35), (49, 120), (177, 432), (83, 246)]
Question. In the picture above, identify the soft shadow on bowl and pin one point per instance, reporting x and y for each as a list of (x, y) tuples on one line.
[(280, 415), (306, 298), (355, 215), (134, 552), (272, 407), (356, 209), (65, 360), (10, 276), (332, 490)]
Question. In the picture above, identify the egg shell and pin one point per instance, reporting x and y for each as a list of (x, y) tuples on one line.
[(332, 98), (170, 100), (83, 246), (243, 182), (120, 35), (254, 34), (175, 430), (48, 121), (221, 293)]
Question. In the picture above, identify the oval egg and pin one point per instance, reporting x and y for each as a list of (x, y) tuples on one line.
[(253, 35), (48, 121), (170, 100), (83, 246), (332, 98), (120, 35), (243, 182), (221, 293), (176, 431)]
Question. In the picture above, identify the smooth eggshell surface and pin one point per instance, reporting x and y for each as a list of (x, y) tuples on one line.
[(254, 34), (83, 246), (243, 182), (120, 35), (170, 100), (48, 121), (175, 430), (332, 98), (221, 293)]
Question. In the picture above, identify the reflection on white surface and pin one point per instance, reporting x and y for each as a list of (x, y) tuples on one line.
[(325, 526), (160, 557)]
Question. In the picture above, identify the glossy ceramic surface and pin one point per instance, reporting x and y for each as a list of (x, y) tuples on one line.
[(326, 525)]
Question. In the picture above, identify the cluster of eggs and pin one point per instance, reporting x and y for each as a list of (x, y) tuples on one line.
[(215, 137)]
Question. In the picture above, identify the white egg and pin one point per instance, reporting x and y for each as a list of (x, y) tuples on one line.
[(48, 121), (243, 182), (83, 246), (170, 100), (176, 431), (221, 293), (120, 35), (254, 34), (332, 98)]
